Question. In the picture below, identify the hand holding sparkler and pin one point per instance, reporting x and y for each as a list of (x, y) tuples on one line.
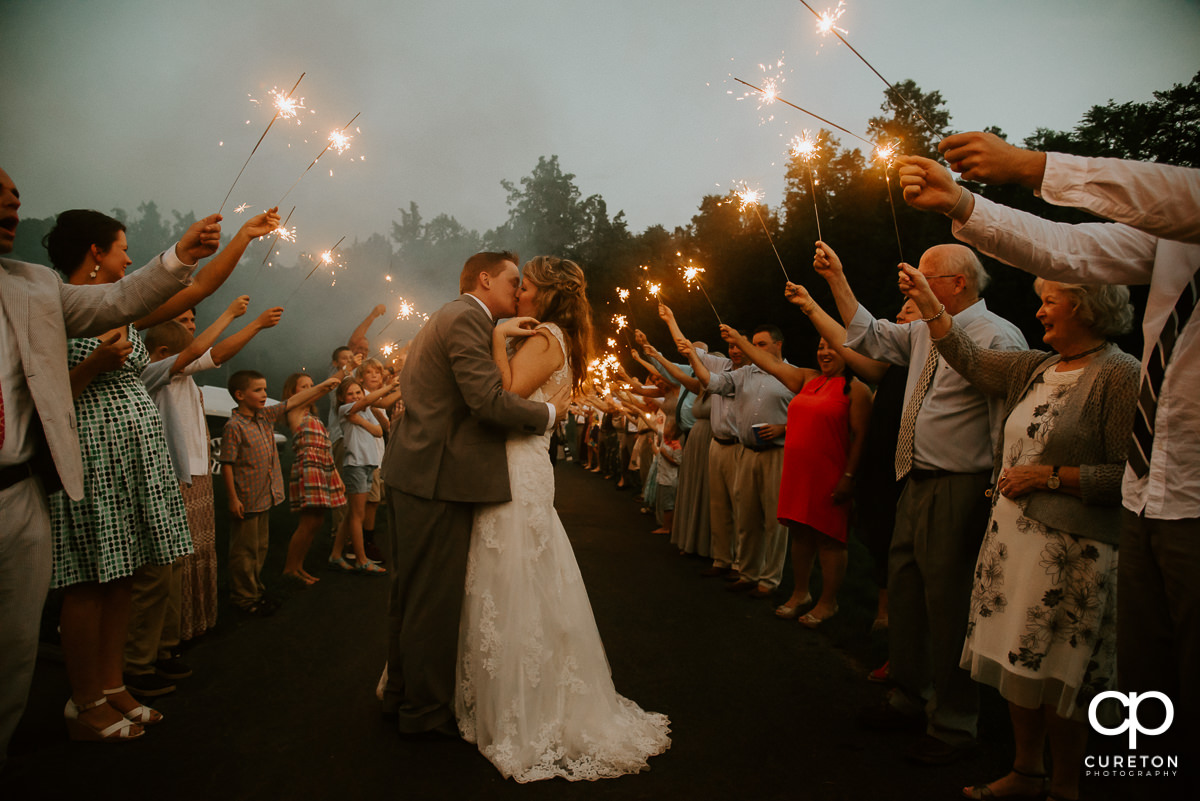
[(260, 225), (987, 158), (798, 295), (734, 337), (200, 241), (826, 263), (913, 284), (639, 337), (269, 318), (928, 186)]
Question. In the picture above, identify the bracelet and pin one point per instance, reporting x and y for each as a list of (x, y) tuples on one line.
[(959, 204), (941, 311)]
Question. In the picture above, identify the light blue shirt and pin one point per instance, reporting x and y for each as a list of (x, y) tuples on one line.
[(758, 396)]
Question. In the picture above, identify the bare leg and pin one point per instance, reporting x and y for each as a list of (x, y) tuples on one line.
[(1029, 736), (302, 538), (1068, 742), (833, 570), (89, 617), (351, 530), (803, 551)]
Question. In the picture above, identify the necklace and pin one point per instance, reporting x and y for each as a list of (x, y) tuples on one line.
[(1088, 352)]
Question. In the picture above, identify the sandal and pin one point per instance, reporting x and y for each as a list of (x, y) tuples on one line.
[(142, 714), (811, 621), (792, 612), (981, 792), (342, 565), (124, 730), (370, 568)]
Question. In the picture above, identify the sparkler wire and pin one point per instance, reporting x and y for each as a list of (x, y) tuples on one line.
[(772, 241), (256, 144), (275, 242), (760, 90), (886, 82), (314, 161), (313, 270)]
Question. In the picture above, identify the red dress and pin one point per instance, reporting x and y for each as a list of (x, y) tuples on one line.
[(814, 457)]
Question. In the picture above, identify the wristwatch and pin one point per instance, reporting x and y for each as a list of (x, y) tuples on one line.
[(1053, 482)]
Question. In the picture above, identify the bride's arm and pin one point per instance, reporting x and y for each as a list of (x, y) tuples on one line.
[(500, 357), (533, 363)]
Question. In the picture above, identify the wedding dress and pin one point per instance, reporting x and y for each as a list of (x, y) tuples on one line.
[(535, 692)]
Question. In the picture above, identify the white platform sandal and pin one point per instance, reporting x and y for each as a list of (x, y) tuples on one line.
[(122, 731)]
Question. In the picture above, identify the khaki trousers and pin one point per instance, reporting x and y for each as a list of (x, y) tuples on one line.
[(248, 540), (761, 540), (154, 620), (722, 481)]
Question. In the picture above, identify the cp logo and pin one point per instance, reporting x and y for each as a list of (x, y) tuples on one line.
[(1131, 700)]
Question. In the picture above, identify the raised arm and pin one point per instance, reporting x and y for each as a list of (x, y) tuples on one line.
[(792, 377), (834, 333), (312, 393), (231, 345), (209, 279), (358, 337), (829, 266), (206, 338), (674, 373)]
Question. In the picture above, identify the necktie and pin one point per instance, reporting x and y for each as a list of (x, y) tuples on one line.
[(908, 421), (1143, 422)]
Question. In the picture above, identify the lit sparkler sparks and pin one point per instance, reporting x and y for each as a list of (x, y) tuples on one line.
[(326, 259), (284, 233), (825, 25), (623, 294), (339, 140), (830, 123), (768, 91), (286, 106), (828, 21), (691, 277), (653, 289), (387, 349), (241, 208), (332, 143), (620, 322), (750, 199), (805, 147), (279, 111), (885, 153), (612, 343), (279, 234)]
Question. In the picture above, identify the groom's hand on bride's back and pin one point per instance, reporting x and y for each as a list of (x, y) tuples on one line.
[(561, 402)]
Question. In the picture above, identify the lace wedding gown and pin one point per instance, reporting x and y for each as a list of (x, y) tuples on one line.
[(534, 688)]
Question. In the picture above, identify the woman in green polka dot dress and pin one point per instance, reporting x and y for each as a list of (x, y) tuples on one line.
[(131, 513)]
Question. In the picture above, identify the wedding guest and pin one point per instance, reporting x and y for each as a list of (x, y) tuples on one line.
[(152, 658), (669, 452), (1155, 240), (315, 485), (947, 433), (371, 377), (33, 461), (253, 482), (1042, 626), (761, 401), (827, 423)]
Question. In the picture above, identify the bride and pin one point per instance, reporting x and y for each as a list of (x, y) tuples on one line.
[(534, 688)]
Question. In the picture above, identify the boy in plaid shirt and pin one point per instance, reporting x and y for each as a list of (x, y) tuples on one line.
[(253, 480)]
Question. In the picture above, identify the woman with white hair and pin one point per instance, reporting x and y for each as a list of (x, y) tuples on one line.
[(1042, 626)]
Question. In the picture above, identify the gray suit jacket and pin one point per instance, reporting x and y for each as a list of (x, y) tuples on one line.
[(43, 312), (449, 444)]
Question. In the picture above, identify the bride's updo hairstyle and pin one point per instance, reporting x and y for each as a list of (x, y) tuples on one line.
[(562, 300)]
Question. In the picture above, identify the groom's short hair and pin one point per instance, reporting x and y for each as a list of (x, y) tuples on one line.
[(489, 261)]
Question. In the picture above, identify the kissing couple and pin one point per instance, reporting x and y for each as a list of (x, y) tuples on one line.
[(490, 632)]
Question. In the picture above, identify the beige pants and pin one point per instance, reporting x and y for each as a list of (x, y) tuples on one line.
[(248, 540), (761, 540), (722, 481), (154, 619)]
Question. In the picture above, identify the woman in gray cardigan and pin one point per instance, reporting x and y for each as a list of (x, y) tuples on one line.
[(1043, 609)]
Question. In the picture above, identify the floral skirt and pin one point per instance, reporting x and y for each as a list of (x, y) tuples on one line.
[(1042, 628)]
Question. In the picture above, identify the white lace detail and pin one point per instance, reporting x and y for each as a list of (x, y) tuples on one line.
[(535, 692)]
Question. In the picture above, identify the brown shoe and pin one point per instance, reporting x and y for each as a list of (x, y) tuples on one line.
[(760, 592), (742, 585)]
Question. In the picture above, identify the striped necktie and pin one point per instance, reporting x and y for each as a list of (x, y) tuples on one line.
[(1141, 448), (908, 421)]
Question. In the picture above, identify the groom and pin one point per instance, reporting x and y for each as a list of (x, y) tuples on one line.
[(447, 454)]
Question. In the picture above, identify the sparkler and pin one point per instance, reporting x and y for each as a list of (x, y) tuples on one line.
[(825, 25), (241, 208), (406, 312), (805, 147), (281, 232), (779, 99), (885, 153), (749, 199), (325, 259), (691, 277), (286, 107), (337, 140)]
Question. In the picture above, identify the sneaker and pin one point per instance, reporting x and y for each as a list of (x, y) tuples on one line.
[(172, 668), (148, 685), (881, 674)]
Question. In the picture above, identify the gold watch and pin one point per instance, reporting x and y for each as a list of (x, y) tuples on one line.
[(1053, 482)]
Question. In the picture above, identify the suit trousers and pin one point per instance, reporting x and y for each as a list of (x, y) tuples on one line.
[(931, 570), (154, 620), (25, 565), (761, 540), (248, 541), (429, 544), (1158, 622), (722, 481)]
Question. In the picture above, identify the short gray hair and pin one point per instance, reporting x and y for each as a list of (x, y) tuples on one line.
[(1104, 308), (961, 260)]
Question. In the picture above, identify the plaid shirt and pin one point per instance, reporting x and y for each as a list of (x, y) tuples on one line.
[(248, 443)]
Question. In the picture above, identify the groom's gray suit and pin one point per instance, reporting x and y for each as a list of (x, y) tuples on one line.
[(446, 454)]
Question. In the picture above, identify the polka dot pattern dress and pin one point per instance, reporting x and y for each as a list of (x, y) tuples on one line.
[(131, 512)]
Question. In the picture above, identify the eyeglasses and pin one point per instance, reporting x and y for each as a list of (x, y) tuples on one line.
[(935, 277)]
